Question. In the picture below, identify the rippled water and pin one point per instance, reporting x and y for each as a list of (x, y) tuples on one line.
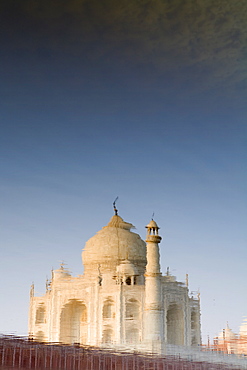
[(22, 353)]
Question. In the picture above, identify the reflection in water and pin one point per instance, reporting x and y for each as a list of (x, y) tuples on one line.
[(22, 353), (122, 298), (122, 302)]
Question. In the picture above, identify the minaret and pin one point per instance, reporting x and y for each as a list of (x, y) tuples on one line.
[(154, 333)]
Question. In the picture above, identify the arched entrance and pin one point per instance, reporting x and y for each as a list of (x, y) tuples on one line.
[(73, 322), (194, 328), (175, 325), (108, 309), (40, 314), (132, 323), (132, 309)]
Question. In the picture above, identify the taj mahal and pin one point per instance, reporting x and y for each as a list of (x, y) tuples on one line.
[(121, 299)]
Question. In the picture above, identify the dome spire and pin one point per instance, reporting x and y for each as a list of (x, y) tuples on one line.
[(114, 206)]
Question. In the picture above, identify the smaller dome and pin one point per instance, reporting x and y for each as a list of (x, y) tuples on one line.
[(61, 273), (153, 232), (152, 224), (127, 268)]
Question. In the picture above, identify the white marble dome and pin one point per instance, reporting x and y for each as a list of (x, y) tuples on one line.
[(112, 245)]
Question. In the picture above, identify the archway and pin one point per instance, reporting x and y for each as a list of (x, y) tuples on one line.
[(132, 309), (108, 309), (194, 328), (40, 314), (73, 322), (175, 325)]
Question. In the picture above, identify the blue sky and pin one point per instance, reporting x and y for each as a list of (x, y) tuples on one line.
[(117, 102)]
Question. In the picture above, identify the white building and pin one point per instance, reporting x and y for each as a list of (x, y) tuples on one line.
[(230, 342), (122, 299)]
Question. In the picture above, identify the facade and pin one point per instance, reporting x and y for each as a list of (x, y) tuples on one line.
[(122, 299)]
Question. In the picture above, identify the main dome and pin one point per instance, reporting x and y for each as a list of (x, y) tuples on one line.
[(112, 245)]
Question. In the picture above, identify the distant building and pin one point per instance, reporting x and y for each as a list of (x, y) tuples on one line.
[(121, 299), (231, 343)]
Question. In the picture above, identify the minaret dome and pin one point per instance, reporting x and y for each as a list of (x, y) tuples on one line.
[(153, 232)]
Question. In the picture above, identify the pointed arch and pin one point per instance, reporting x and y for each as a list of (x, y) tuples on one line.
[(194, 327), (175, 324), (132, 309), (108, 309), (40, 314), (73, 322)]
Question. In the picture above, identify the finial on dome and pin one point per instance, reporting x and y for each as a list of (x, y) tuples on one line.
[(62, 264), (114, 206)]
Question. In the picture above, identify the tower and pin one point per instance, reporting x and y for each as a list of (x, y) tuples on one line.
[(154, 334)]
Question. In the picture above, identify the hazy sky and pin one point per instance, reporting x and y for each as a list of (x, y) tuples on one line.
[(145, 100)]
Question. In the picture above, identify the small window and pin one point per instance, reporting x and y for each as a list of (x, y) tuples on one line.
[(128, 281), (132, 309), (40, 314), (108, 309)]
